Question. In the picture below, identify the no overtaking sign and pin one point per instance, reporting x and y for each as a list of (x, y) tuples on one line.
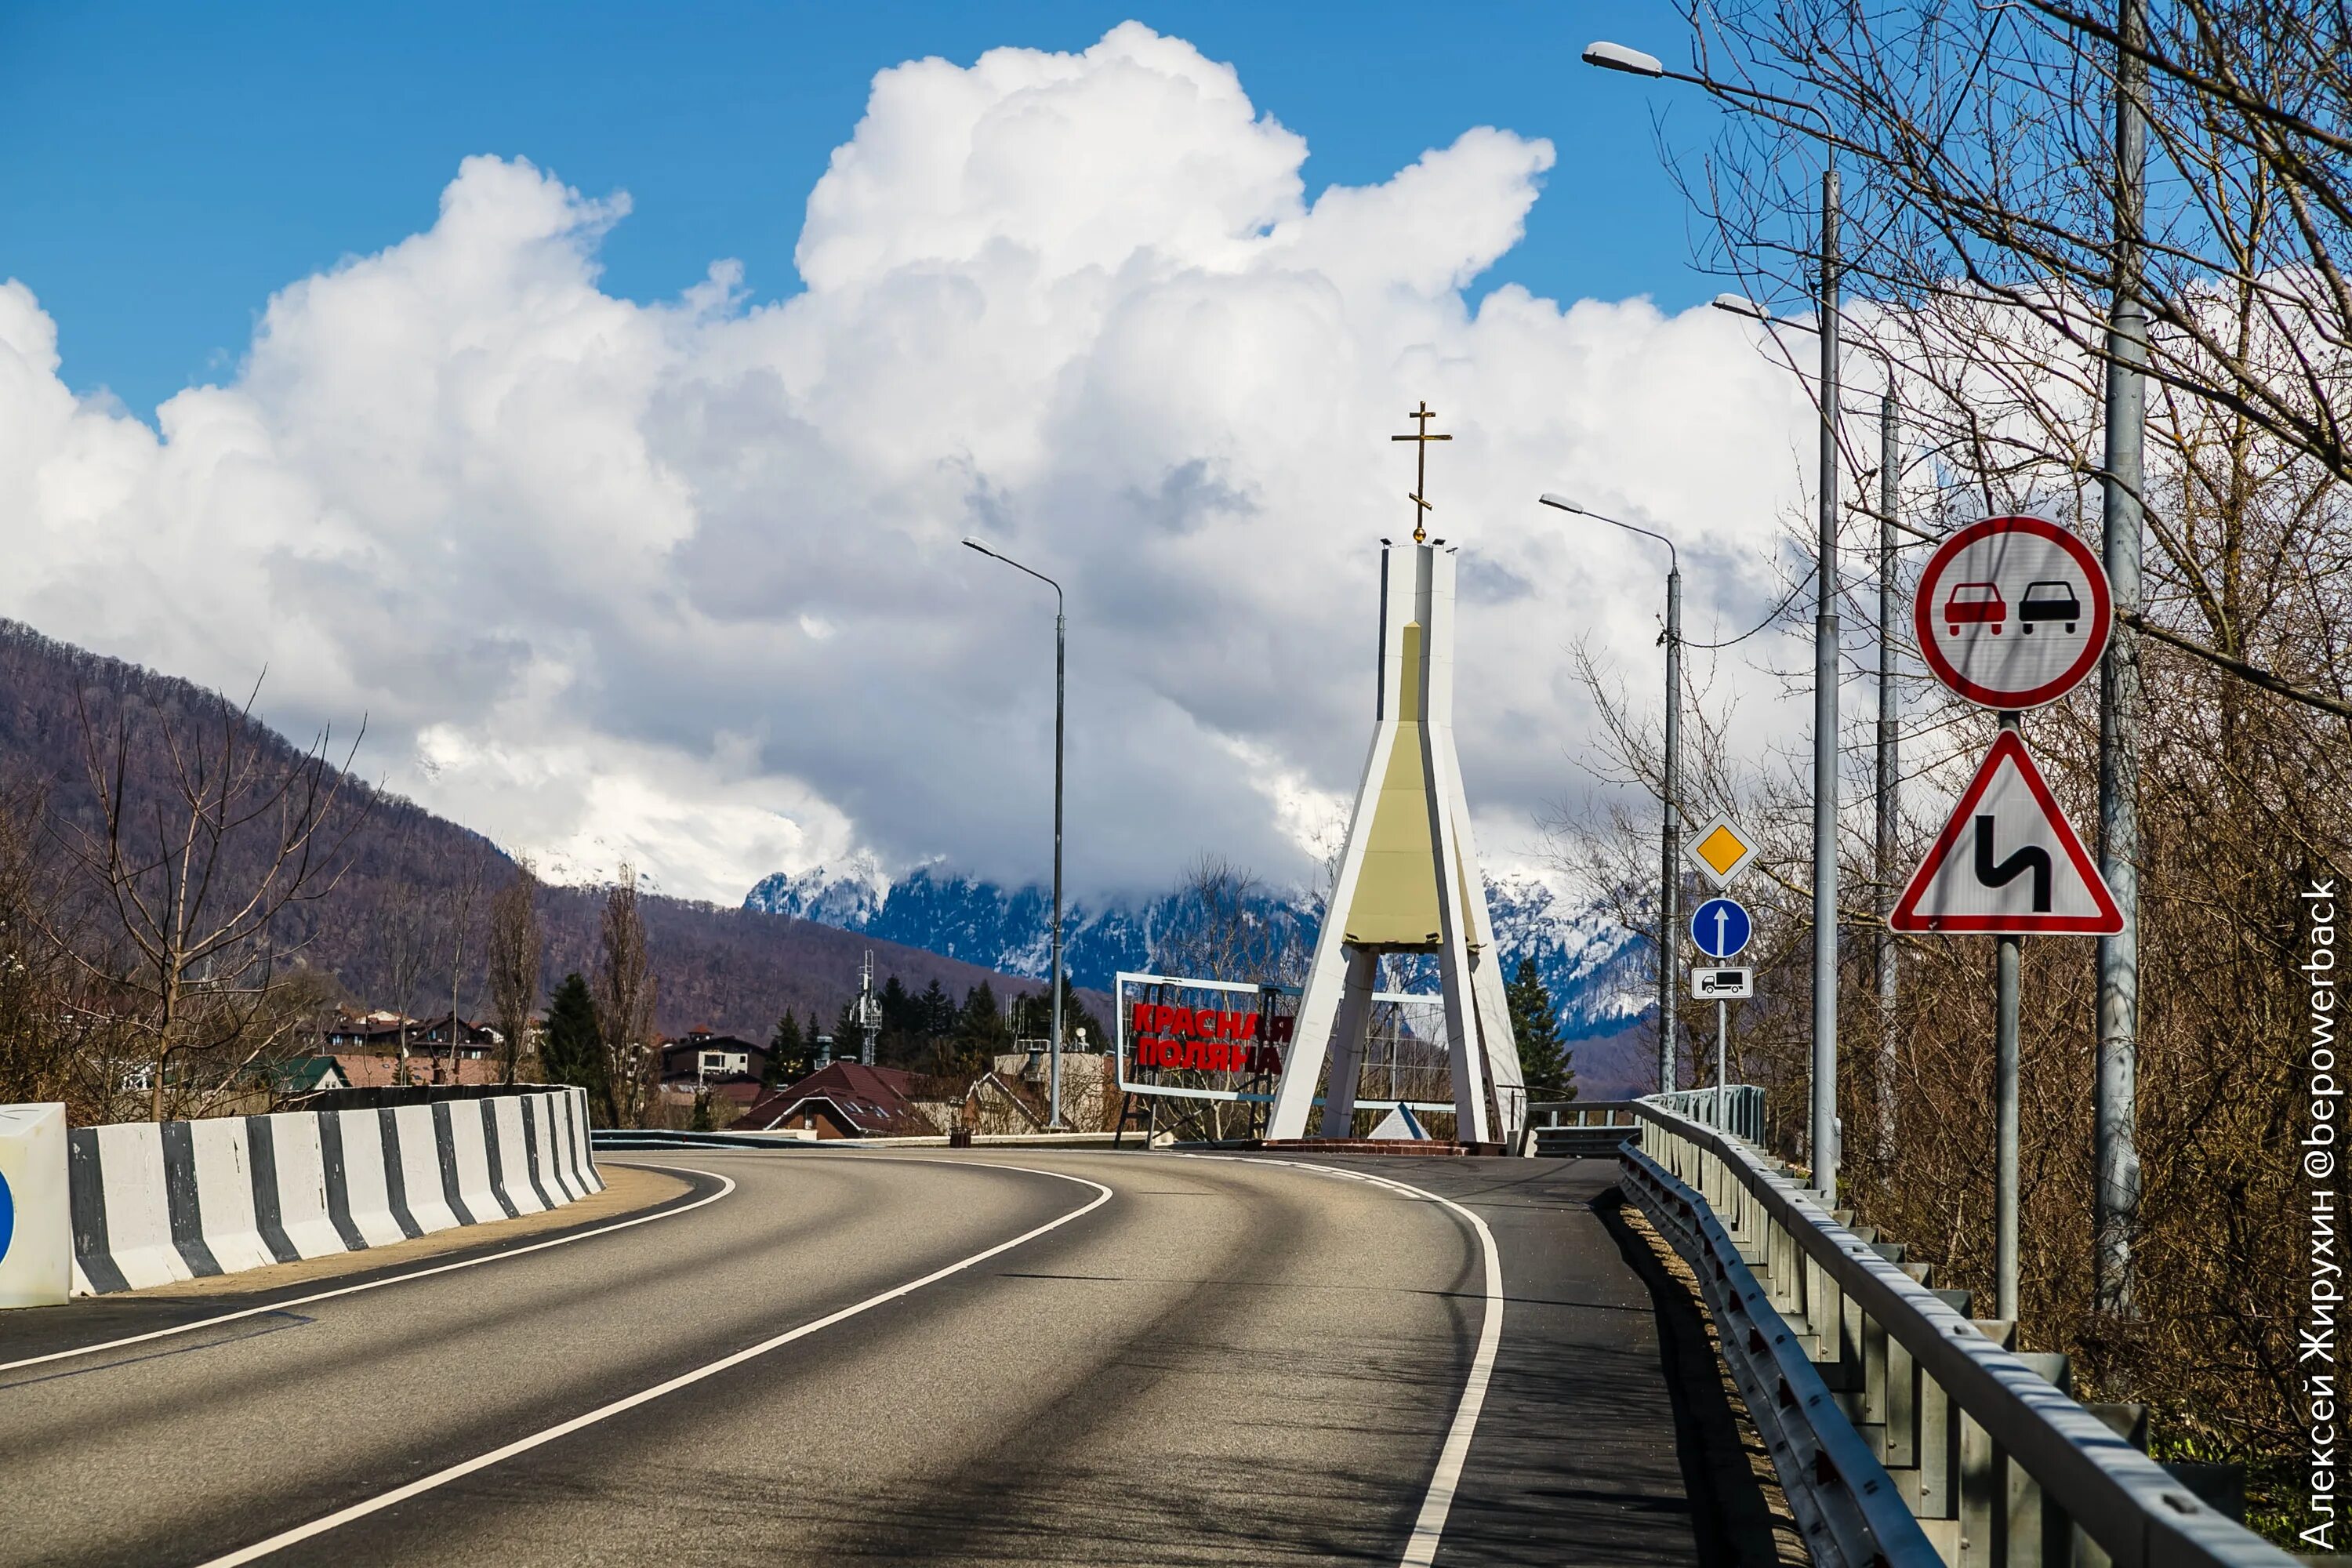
[(2012, 612)]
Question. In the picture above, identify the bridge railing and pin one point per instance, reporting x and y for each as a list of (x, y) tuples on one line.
[(1903, 1432), (1585, 1129), (1736, 1108)]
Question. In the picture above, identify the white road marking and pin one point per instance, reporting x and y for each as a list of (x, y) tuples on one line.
[(1429, 1526), (727, 1187), (604, 1412)]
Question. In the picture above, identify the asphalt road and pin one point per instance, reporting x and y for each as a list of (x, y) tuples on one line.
[(895, 1358)]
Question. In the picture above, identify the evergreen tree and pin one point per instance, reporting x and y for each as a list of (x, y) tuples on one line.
[(574, 1051), (938, 1010), (899, 1016), (1543, 1059), (790, 1054), (981, 1026), (1033, 1019)]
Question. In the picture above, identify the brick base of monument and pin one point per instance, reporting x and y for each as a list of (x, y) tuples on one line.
[(1425, 1148)]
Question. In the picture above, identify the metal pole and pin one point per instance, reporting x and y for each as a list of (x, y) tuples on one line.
[(1825, 730), (2005, 1128), (1884, 763), (2114, 1143), (1670, 945), (1054, 1070), (2004, 1037), (1722, 1010)]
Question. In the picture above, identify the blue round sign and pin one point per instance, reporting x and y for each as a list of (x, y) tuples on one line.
[(7, 1216), (1721, 928)]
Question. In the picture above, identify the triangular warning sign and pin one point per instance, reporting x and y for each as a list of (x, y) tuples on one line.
[(2008, 862)]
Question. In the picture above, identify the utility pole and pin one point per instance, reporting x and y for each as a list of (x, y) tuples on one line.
[(1670, 836), (1825, 730), (1886, 761), (2114, 1142), (1670, 944)]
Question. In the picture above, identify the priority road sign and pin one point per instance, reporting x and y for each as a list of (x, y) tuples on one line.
[(1712, 984), (2012, 612), (1721, 928), (2008, 862), (1720, 851)]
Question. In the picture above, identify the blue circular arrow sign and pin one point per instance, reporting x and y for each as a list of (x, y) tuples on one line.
[(1721, 928)]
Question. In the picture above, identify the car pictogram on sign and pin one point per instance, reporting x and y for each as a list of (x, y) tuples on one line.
[(2048, 600), (1976, 604)]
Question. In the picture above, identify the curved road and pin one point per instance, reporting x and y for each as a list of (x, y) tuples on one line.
[(819, 1356)]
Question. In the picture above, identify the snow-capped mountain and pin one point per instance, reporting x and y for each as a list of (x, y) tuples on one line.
[(1595, 971)]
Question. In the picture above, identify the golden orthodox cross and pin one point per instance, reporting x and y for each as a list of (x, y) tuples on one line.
[(1420, 465)]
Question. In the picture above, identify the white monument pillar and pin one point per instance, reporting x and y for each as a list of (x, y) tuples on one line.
[(1409, 882)]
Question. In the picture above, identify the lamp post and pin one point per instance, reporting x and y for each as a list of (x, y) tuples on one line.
[(1671, 834), (1618, 58), (1061, 626), (1887, 751)]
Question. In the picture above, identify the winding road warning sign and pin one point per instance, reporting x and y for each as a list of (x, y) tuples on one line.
[(2008, 863), (2012, 612)]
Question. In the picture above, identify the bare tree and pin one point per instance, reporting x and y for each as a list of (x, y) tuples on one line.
[(516, 943), (462, 897), (624, 989), (402, 932), (188, 874), (38, 1027), (1221, 923)]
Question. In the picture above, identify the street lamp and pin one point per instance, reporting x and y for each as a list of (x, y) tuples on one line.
[(1061, 624), (1885, 764), (1671, 835), (1618, 58)]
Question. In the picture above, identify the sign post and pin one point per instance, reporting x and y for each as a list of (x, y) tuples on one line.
[(2011, 614), (1721, 928)]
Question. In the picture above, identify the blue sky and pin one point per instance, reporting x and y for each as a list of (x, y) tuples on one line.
[(169, 166)]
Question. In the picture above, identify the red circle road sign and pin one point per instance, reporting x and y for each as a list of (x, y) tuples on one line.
[(2012, 612)]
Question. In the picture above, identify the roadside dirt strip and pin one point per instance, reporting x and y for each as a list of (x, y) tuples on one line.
[(819, 1357)]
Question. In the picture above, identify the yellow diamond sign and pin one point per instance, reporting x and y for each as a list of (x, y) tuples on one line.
[(1721, 850)]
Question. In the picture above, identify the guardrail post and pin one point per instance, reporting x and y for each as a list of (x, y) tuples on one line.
[(1929, 1484), (1984, 1477), (1981, 1497), (2039, 1531), (1873, 1421), (2129, 1422)]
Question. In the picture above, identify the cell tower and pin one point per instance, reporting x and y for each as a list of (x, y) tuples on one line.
[(868, 1015)]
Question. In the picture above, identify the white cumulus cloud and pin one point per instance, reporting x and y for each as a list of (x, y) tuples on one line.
[(681, 581)]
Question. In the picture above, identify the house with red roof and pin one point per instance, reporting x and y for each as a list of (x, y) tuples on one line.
[(846, 1099)]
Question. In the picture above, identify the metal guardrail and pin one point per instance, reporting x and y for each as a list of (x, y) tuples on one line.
[(1737, 1108), (1897, 1425), (663, 1138), (1582, 1129)]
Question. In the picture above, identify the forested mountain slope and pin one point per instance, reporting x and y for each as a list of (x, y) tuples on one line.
[(381, 864)]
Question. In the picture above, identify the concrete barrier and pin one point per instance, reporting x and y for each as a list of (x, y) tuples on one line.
[(151, 1203), (36, 1242)]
